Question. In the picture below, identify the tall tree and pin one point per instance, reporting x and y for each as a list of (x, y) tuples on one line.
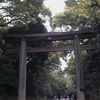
[(78, 15)]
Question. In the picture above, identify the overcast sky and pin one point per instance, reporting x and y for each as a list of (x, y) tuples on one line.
[(55, 6)]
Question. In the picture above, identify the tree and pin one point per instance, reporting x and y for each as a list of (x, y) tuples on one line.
[(8, 78), (78, 15), (24, 11)]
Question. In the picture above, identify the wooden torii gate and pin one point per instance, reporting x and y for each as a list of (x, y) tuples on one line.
[(23, 39)]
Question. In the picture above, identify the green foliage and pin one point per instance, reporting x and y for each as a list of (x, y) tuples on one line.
[(70, 74), (58, 85), (41, 67), (24, 11), (71, 66), (8, 79), (79, 15), (30, 27), (91, 68)]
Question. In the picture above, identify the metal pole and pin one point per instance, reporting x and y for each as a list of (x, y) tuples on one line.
[(77, 52), (22, 71)]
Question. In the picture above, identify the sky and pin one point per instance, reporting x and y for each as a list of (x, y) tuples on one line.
[(56, 6)]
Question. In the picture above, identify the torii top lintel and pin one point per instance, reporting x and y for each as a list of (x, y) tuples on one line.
[(52, 36)]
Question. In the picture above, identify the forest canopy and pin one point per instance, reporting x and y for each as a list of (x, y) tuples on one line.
[(44, 75)]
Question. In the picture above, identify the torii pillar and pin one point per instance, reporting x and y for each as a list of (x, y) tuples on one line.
[(22, 71), (79, 75)]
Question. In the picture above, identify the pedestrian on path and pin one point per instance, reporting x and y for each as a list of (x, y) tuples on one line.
[(55, 98)]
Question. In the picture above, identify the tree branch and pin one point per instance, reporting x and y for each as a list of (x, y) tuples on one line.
[(2, 25)]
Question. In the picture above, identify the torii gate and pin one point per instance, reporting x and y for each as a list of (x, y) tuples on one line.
[(23, 39)]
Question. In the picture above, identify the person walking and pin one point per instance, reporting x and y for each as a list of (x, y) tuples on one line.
[(55, 98)]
